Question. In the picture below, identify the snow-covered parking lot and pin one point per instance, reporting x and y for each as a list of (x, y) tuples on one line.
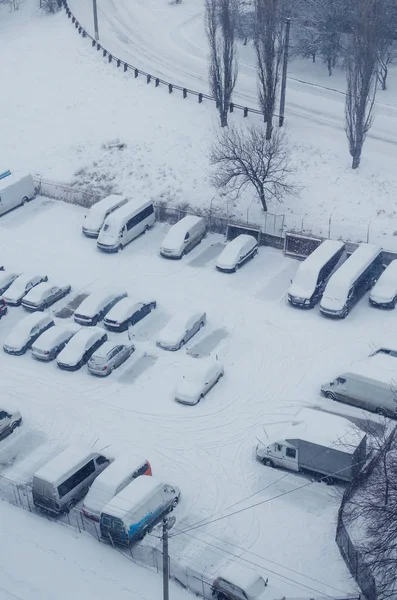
[(275, 359)]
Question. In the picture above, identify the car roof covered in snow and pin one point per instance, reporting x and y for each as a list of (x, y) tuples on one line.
[(240, 576), (123, 309), (96, 214), (306, 276), (6, 276), (55, 334), (105, 349), (116, 473), (23, 279), (59, 468), (176, 233), (39, 291), (97, 300), (318, 427), (379, 367), (232, 250), (80, 341), (118, 217), (387, 282), (132, 496), (340, 282)]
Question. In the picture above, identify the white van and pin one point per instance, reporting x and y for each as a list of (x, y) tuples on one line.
[(125, 224), (183, 236), (370, 384), (97, 214), (15, 191), (136, 509), (111, 482), (60, 483)]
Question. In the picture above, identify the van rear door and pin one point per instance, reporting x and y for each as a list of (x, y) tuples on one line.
[(44, 494)]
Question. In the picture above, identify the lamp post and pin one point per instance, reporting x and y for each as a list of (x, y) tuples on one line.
[(284, 74), (95, 9), (168, 522)]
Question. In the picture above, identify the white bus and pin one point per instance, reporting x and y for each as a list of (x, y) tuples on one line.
[(97, 214), (122, 226)]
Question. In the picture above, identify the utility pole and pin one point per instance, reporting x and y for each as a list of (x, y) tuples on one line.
[(95, 19), (168, 522), (284, 74)]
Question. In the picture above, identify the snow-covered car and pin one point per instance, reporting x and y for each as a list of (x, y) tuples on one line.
[(9, 421), (183, 236), (26, 332), (44, 295), (108, 357), (80, 348), (21, 286), (384, 292), (6, 279), (3, 308), (237, 582), (127, 312), (97, 305), (180, 329), (52, 342), (197, 383), (236, 253)]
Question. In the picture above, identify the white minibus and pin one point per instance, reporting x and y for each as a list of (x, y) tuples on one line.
[(122, 226), (14, 191), (97, 214)]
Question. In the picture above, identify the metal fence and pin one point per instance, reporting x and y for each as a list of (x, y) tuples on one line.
[(66, 193), (111, 58), (355, 562)]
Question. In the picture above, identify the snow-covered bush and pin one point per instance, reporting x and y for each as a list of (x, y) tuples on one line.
[(50, 6)]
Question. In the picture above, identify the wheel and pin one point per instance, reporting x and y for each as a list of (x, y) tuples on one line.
[(174, 503), (381, 411), (95, 321), (221, 596), (330, 395), (70, 505), (200, 398), (268, 462), (345, 313), (181, 344), (14, 426), (201, 325), (146, 229), (329, 480), (24, 200), (120, 247)]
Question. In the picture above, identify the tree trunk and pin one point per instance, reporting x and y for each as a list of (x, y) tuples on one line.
[(261, 192), (356, 158), (245, 40), (269, 128), (224, 117), (384, 78), (329, 65), (314, 57)]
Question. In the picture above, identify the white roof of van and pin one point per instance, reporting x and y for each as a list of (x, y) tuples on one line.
[(106, 203), (306, 276), (120, 468), (380, 367), (59, 467), (117, 218), (11, 179), (97, 300), (132, 496), (318, 427), (339, 284), (178, 231)]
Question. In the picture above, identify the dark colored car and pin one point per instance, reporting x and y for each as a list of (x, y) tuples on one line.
[(3, 308), (43, 295), (127, 312)]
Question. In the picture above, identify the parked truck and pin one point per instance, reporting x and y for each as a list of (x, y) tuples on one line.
[(324, 445)]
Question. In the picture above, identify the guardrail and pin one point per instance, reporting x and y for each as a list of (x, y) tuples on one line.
[(149, 77)]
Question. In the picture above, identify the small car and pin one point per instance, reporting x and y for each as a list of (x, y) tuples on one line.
[(44, 295), (3, 308), (26, 332), (127, 312), (239, 584), (183, 237), (180, 329), (236, 253), (108, 357), (384, 292), (6, 279), (9, 421), (21, 286), (97, 305), (52, 342), (80, 348), (194, 386)]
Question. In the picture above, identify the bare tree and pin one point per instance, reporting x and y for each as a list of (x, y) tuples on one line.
[(220, 21), (361, 76), (246, 158), (269, 46), (50, 6), (387, 56)]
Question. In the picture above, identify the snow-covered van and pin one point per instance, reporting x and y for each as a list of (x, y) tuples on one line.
[(136, 509), (183, 236), (237, 582), (111, 482), (97, 214), (97, 305), (236, 253), (350, 282), (61, 482), (314, 272), (125, 224), (14, 191), (384, 292)]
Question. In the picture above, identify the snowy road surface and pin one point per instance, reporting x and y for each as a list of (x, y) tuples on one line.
[(170, 43), (275, 359)]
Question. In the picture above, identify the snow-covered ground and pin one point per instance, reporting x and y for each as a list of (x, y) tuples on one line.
[(275, 359), (44, 561), (66, 106)]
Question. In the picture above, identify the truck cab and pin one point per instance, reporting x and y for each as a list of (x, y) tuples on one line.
[(278, 454)]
